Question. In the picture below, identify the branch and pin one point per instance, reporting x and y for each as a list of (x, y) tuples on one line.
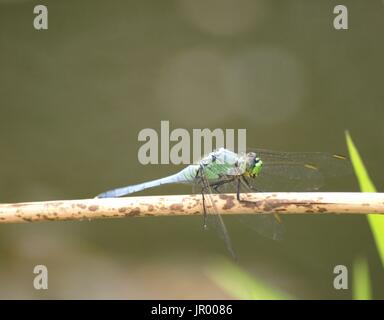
[(184, 205)]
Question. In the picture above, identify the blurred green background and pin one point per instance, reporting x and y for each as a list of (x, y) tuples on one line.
[(73, 99)]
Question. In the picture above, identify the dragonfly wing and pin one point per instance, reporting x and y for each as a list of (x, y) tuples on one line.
[(298, 171), (288, 177), (214, 219), (267, 225)]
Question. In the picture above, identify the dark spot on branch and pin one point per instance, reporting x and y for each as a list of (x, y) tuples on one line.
[(122, 209), (229, 202), (251, 204), (177, 207), (134, 212), (273, 205), (93, 208)]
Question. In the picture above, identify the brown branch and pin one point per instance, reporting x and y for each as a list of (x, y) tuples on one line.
[(183, 205)]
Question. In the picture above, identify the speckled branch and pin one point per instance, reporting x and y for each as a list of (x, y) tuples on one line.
[(183, 205)]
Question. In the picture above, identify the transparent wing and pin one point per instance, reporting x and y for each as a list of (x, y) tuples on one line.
[(267, 225), (214, 219), (297, 171)]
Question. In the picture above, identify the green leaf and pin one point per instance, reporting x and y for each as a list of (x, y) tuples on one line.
[(361, 282), (376, 221), (363, 178), (241, 285)]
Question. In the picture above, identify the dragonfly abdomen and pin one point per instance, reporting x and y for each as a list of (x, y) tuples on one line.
[(186, 175)]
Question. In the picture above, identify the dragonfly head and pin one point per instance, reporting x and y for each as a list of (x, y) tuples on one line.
[(254, 165)]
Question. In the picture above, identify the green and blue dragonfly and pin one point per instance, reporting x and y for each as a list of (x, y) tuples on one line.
[(257, 170)]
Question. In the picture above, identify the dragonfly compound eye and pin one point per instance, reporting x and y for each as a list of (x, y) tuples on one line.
[(257, 167)]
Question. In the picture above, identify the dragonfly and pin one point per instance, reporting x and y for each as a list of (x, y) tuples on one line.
[(255, 170)]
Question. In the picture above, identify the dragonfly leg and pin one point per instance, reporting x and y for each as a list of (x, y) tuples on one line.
[(242, 180), (218, 184), (238, 190), (204, 209), (245, 181), (204, 187)]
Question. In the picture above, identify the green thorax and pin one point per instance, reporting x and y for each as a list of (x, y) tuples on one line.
[(216, 165)]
